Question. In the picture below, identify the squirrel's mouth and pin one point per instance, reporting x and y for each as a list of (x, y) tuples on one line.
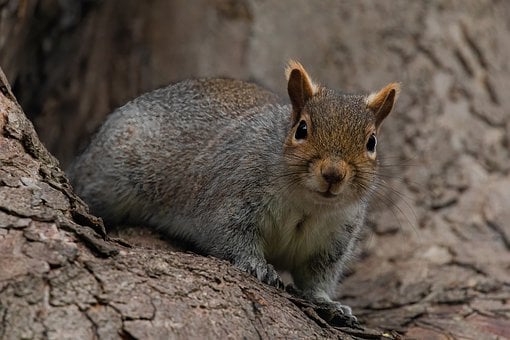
[(331, 191), (326, 194)]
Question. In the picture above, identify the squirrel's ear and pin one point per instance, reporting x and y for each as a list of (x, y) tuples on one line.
[(300, 87), (383, 101)]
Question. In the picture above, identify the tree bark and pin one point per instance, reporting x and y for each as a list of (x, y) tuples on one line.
[(436, 258)]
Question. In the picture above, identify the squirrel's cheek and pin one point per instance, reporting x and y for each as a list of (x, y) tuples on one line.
[(314, 177), (312, 183)]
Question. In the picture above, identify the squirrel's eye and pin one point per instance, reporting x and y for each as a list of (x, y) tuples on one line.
[(301, 131), (372, 142)]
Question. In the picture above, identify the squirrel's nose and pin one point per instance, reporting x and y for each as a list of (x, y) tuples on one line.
[(332, 176)]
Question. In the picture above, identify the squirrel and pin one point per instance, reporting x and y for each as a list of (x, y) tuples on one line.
[(230, 168)]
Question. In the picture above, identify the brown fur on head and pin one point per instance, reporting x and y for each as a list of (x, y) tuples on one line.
[(331, 147)]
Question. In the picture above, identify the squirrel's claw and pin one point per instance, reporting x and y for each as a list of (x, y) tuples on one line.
[(272, 277), (346, 310), (267, 274), (262, 271), (336, 313)]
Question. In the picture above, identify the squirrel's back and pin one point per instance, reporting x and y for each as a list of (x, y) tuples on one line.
[(146, 163)]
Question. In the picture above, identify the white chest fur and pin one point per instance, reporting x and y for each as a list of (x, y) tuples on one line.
[(293, 231)]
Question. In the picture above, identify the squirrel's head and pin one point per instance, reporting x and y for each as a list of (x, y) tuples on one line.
[(331, 147)]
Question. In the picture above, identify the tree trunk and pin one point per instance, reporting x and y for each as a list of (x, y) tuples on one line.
[(436, 258)]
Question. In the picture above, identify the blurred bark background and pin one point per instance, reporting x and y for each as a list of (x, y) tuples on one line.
[(436, 261)]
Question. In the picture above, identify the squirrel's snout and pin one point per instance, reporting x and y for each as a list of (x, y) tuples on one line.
[(332, 176), (333, 172)]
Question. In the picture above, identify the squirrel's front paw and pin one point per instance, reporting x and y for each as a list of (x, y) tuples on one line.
[(332, 311), (262, 271), (336, 313), (344, 309)]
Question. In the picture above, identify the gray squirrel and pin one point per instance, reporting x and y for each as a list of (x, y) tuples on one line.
[(226, 166)]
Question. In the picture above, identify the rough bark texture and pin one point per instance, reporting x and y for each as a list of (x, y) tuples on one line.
[(436, 262)]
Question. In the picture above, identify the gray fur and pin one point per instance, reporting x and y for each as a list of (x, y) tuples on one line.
[(204, 161)]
